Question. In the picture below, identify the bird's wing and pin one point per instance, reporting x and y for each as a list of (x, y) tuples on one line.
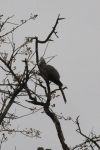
[(52, 74), (52, 71)]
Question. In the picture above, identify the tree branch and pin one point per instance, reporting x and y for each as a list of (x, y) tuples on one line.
[(88, 139), (17, 90), (53, 31), (19, 25), (58, 127)]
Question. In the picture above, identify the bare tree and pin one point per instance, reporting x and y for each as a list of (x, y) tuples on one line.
[(14, 86)]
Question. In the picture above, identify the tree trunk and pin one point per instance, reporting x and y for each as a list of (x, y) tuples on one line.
[(58, 127)]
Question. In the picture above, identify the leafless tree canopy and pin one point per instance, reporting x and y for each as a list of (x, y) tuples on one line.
[(14, 85)]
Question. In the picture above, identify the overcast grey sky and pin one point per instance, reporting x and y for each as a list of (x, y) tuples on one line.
[(78, 62)]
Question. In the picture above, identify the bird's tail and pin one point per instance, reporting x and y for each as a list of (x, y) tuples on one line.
[(62, 92)]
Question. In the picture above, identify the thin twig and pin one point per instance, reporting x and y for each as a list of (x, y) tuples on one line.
[(17, 26)]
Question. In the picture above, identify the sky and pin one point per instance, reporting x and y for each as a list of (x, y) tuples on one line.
[(77, 60)]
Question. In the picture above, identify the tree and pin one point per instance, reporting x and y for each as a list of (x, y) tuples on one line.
[(15, 85)]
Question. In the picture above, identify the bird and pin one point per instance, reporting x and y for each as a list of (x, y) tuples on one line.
[(49, 73)]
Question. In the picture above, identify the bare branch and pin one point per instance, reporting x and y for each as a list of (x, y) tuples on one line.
[(58, 127), (87, 138), (15, 93), (34, 100), (3, 23), (19, 25), (53, 31)]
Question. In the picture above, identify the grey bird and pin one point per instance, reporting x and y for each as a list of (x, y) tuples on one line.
[(49, 73)]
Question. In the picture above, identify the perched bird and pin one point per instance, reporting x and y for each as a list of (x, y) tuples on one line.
[(49, 73)]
